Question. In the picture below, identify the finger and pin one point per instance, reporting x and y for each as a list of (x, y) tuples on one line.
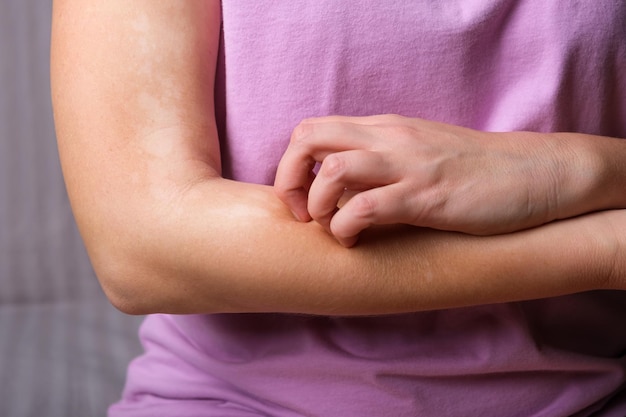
[(292, 187), (310, 143), (319, 137), (359, 120), (353, 170), (382, 205)]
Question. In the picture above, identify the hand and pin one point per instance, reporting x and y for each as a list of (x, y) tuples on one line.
[(420, 173)]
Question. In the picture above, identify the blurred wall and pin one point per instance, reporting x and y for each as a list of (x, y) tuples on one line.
[(40, 251), (63, 348)]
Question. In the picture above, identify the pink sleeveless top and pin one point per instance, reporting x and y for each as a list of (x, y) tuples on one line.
[(496, 65)]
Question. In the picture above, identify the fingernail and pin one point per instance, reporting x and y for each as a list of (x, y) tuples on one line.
[(349, 242), (296, 215)]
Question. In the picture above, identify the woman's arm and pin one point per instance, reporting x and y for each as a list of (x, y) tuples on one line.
[(133, 103)]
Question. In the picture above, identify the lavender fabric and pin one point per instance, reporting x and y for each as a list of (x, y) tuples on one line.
[(494, 65)]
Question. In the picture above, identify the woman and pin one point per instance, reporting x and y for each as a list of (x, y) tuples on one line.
[(473, 288)]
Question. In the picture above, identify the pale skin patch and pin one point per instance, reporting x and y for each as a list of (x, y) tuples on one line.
[(159, 170), (157, 99), (156, 94)]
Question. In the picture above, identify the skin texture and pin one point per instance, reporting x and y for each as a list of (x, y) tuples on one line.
[(434, 175), (132, 86)]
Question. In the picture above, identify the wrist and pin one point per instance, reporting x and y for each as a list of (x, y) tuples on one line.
[(610, 154), (590, 174), (611, 237)]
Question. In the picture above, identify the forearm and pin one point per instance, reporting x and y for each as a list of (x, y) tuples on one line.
[(247, 254)]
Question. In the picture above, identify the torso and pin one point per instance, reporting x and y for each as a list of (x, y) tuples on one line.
[(497, 65)]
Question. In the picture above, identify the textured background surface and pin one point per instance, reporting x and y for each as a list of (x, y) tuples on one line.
[(63, 348)]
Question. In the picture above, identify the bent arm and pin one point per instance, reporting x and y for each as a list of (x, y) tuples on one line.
[(133, 104)]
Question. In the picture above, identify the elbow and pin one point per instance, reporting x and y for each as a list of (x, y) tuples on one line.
[(140, 284), (124, 257), (129, 277), (126, 302), (127, 305), (146, 257), (124, 286)]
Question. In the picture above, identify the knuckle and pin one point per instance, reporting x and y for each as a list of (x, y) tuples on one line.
[(301, 132), (401, 131), (334, 167), (364, 206)]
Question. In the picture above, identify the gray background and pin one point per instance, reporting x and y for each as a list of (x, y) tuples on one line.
[(63, 348)]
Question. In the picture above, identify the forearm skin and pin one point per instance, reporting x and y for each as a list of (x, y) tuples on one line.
[(247, 254)]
